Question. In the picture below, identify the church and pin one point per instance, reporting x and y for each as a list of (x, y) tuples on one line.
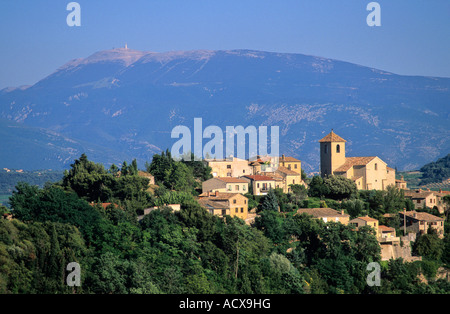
[(369, 173)]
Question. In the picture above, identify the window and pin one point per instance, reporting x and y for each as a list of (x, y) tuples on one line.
[(243, 171), (257, 185), (228, 166), (234, 201), (376, 166), (242, 209), (325, 148), (237, 187), (224, 212), (338, 148), (295, 166), (236, 210)]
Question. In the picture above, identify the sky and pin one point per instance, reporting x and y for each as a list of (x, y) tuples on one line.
[(413, 39)]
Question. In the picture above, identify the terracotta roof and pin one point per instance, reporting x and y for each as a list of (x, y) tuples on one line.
[(384, 228), (417, 194), (231, 180), (213, 203), (354, 161), (273, 175), (367, 218), (287, 171), (422, 216), (289, 159), (104, 205), (257, 177), (321, 212), (218, 195), (332, 137)]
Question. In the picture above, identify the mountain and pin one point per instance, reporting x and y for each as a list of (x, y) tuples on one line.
[(25, 147), (126, 102)]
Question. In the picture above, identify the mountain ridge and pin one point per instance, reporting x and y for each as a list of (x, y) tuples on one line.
[(128, 101)]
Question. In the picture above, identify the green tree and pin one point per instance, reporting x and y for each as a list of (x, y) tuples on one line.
[(317, 188), (340, 188), (429, 245), (270, 201)]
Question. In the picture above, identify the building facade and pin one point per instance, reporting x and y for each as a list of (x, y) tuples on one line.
[(225, 184), (221, 204), (229, 167), (326, 214), (368, 173)]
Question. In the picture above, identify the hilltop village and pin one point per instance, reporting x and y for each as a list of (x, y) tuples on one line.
[(232, 178), (230, 225)]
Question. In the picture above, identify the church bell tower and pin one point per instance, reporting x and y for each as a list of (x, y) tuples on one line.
[(332, 153)]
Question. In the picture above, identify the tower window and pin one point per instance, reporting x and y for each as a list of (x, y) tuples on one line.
[(338, 148), (325, 148), (376, 166)]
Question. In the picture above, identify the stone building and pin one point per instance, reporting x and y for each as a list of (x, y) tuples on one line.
[(229, 167), (221, 204), (368, 173), (225, 184), (326, 214), (420, 222)]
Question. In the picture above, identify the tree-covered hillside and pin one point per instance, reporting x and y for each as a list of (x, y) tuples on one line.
[(191, 251), (437, 171)]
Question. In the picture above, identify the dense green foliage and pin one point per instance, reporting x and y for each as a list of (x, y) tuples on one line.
[(178, 175), (436, 171), (191, 251), (334, 187)]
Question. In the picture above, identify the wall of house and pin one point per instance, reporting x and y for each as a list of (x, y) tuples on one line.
[(213, 185), (236, 187), (230, 168), (390, 178), (292, 165), (375, 174), (239, 207)]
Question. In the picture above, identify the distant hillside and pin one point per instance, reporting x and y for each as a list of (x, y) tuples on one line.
[(436, 172), (9, 179), (30, 148)]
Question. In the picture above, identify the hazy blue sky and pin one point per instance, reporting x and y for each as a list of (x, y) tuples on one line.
[(414, 38)]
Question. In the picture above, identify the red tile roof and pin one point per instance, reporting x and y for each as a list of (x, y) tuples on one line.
[(287, 171), (332, 137), (354, 161), (231, 180), (422, 216), (289, 159), (257, 177)]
